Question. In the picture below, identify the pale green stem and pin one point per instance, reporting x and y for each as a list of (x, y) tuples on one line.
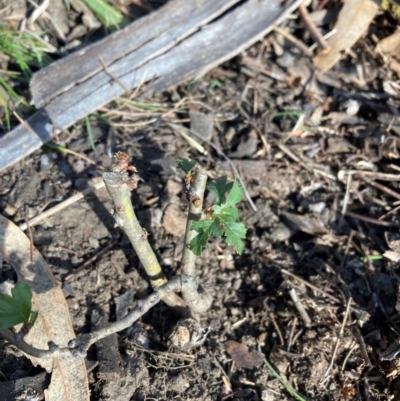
[(197, 302), (117, 184)]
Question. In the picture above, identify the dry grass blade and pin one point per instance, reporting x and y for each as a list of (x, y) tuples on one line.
[(69, 378)]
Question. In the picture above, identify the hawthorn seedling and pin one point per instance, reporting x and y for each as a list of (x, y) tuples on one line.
[(221, 219)]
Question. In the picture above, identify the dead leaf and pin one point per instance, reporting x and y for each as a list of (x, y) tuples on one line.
[(69, 379), (390, 45), (242, 356), (354, 19), (337, 145), (306, 224), (392, 255)]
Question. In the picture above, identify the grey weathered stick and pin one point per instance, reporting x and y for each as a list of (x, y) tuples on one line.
[(78, 347), (197, 302), (118, 185)]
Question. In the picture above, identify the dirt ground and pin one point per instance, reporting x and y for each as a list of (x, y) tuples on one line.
[(319, 159)]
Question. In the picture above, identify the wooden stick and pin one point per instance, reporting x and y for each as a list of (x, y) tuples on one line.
[(314, 32), (97, 184)]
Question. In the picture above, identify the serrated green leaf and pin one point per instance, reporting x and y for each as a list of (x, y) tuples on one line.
[(212, 227), (15, 309), (234, 231), (220, 187), (199, 242), (235, 195), (186, 165), (224, 213)]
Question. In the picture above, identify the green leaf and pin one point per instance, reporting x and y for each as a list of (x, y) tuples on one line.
[(234, 231), (220, 187), (108, 15), (90, 134), (15, 309), (205, 228), (235, 196), (23, 294), (199, 242), (32, 318), (186, 165), (210, 226), (224, 213)]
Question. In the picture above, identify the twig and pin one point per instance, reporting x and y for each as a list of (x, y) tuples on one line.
[(97, 184), (294, 324), (308, 284), (91, 260), (347, 195), (314, 32), (346, 315), (371, 220), (119, 184), (297, 159), (300, 45), (381, 187), (346, 252), (300, 308), (71, 152), (273, 320), (197, 302), (39, 10), (348, 356), (113, 76), (361, 343), (373, 174), (389, 212), (79, 346), (221, 153)]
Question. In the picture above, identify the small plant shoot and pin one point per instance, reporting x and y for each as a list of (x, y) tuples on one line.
[(223, 219), (186, 165), (17, 308)]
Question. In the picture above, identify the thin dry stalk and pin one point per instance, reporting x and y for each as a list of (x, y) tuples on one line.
[(113, 76), (314, 32), (300, 45), (346, 315), (97, 184), (362, 345), (371, 220), (290, 341), (79, 346), (312, 286), (381, 187), (300, 308), (91, 260)]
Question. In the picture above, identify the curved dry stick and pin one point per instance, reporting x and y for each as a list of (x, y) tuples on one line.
[(197, 302), (79, 346), (119, 185), (314, 32)]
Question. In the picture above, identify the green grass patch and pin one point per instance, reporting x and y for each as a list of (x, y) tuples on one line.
[(25, 49), (108, 15)]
